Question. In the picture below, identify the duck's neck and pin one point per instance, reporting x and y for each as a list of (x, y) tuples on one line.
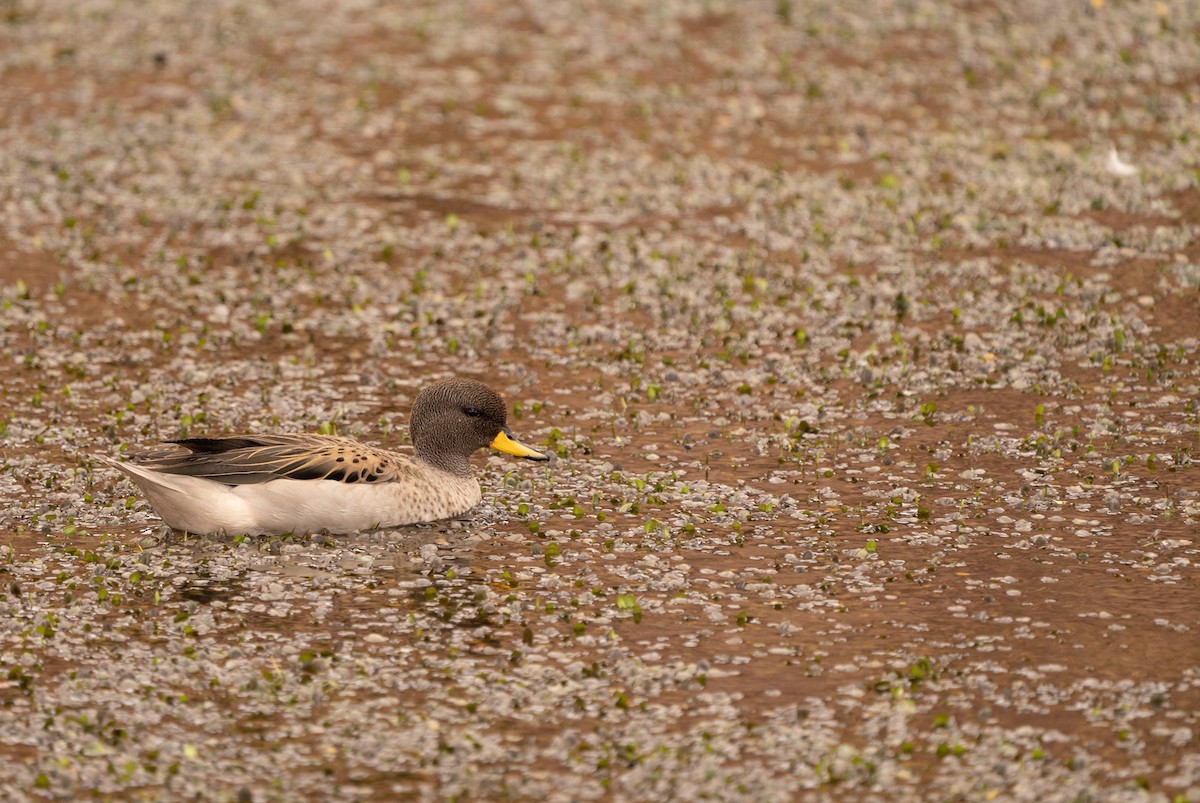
[(457, 464)]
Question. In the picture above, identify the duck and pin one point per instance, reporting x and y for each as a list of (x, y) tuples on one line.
[(294, 483)]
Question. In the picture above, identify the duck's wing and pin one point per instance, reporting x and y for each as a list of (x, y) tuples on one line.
[(248, 459)]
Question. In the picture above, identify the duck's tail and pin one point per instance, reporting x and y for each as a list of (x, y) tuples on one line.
[(191, 504)]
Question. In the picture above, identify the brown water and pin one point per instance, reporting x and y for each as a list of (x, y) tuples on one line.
[(873, 393)]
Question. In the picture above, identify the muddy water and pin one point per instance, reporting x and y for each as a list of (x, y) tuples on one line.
[(872, 392)]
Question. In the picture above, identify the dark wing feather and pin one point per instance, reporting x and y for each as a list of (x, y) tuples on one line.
[(215, 445), (248, 459)]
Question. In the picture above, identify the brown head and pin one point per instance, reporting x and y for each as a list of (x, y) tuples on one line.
[(454, 418)]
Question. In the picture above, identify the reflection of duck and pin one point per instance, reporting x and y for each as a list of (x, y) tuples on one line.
[(259, 484)]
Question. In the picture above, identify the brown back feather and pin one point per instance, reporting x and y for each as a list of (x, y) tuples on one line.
[(248, 459)]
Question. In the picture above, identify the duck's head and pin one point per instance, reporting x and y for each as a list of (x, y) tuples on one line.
[(453, 418)]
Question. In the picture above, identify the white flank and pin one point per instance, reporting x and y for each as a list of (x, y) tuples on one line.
[(198, 505)]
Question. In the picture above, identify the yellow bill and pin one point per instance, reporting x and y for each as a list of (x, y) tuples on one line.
[(505, 442)]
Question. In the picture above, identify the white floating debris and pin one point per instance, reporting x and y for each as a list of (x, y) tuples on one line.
[(1119, 167)]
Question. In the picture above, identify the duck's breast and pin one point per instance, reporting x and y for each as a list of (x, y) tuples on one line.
[(339, 507)]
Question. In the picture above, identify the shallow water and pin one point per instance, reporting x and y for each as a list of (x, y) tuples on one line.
[(873, 396)]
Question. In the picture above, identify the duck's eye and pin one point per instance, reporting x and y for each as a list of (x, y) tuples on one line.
[(472, 411)]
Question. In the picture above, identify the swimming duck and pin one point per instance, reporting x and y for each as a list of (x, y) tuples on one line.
[(264, 484)]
